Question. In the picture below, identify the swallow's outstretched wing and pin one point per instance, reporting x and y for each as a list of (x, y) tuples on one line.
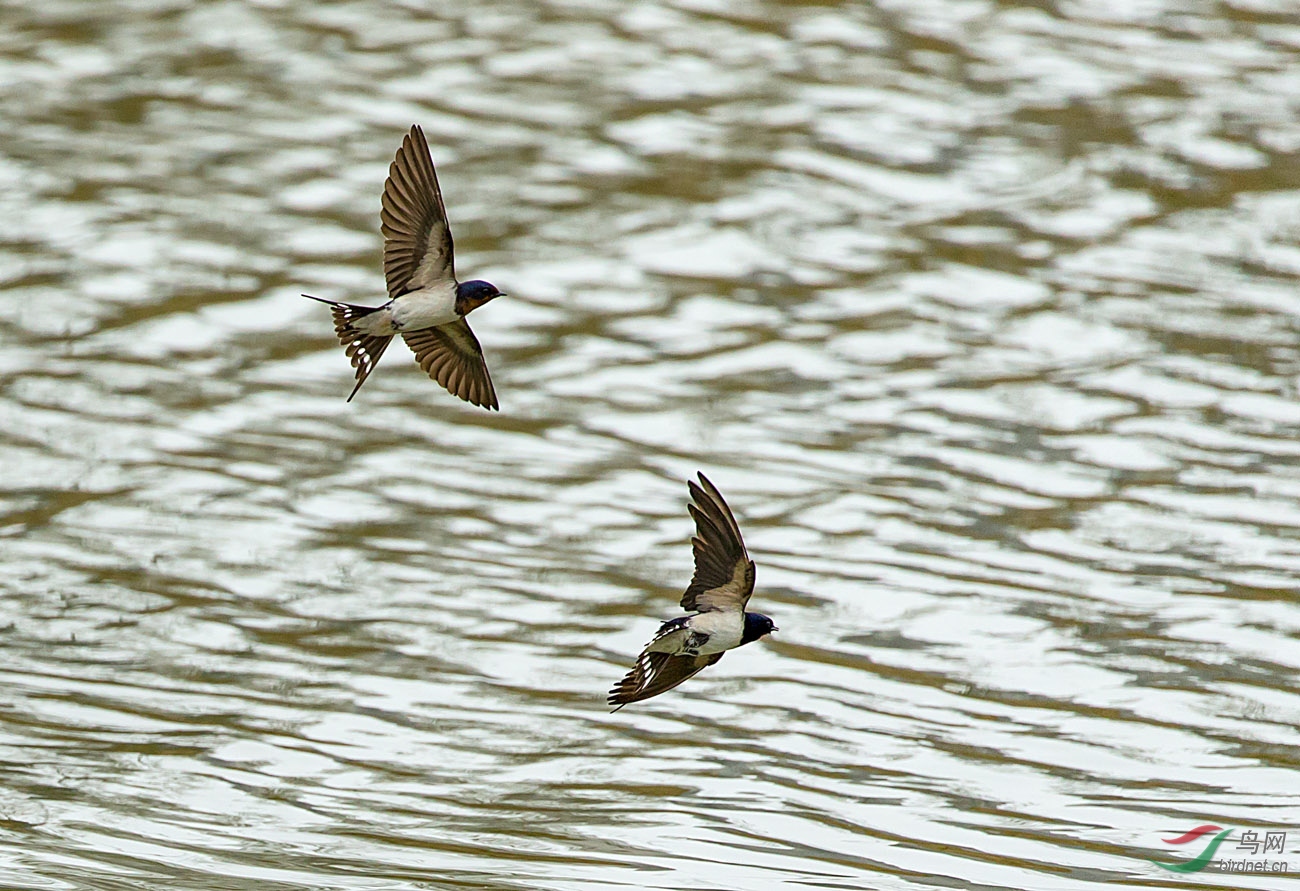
[(724, 574), (451, 355), (417, 237), (654, 673)]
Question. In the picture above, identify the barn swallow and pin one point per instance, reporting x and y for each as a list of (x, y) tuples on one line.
[(716, 597), (426, 304)]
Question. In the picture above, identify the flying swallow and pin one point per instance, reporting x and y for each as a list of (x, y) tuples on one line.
[(716, 597), (426, 304)]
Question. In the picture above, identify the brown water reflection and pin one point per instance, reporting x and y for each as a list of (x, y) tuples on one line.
[(982, 315)]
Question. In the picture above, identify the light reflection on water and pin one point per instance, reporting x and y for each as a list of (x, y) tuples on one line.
[(982, 317)]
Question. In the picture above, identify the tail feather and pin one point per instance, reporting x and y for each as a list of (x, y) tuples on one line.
[(363, 349)]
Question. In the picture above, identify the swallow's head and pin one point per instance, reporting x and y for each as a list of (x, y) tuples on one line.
[(756, 626), (471, 295)]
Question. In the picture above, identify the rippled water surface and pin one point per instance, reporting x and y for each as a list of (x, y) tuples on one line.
[(982, 315)]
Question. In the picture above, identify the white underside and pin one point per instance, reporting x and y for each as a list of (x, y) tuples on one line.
[(724, 629), (426, 308)]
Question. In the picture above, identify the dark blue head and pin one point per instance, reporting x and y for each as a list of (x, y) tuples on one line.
[(756, 626), (471, 295)]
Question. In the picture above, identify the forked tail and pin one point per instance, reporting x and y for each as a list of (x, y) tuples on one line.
[(363, 349)]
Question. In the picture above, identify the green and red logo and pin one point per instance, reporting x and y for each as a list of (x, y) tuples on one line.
[(1203, 859)]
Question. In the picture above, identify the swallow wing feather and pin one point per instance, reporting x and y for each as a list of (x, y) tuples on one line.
[(724, 574), (654, 673), (451, 355), (418, 250)]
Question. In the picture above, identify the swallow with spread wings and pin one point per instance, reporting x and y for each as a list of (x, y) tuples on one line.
[(716, 597), (426, 304)]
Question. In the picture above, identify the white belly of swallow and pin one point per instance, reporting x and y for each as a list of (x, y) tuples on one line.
[(425, 308), (723, 628)]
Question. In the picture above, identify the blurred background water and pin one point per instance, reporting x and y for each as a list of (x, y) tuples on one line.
[(983, 315)]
